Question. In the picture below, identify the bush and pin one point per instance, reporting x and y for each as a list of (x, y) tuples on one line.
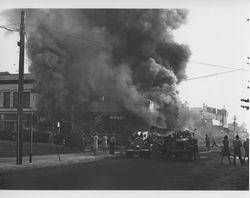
[(38, 136)]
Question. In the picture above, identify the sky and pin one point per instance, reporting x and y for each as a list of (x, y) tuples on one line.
[(217, 34)]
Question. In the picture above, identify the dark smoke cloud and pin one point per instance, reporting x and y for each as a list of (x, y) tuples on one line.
[(127, 55)]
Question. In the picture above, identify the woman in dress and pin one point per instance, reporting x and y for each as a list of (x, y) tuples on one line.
[(104, 143), (95, 144)]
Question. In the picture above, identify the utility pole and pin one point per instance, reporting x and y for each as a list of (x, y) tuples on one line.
[(19, 153)]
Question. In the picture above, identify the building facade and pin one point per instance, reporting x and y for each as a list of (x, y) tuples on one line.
[(106, 118), (212, 120), (9, 100), (99, 115)]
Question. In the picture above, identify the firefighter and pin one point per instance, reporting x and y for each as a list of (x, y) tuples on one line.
[(214, 143), (207, 142), (225, 150), (246, 149), (237, 152)]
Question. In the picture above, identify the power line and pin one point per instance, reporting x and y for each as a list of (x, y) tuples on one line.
[(214, 65), (211, 75), (98, 43), (104, 45), (200, 77), (9, 28), (6, 28)]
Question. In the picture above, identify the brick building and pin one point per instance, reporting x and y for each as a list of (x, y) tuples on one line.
[(9, 100)]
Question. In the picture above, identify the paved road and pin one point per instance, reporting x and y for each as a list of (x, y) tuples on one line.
[(132, 174)]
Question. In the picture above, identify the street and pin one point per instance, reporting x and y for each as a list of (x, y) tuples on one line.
[(120, 173)]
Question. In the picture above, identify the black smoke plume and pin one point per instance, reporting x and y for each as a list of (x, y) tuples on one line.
[(128, 55)]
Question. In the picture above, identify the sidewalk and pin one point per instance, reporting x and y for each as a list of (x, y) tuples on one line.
[(42, 161)]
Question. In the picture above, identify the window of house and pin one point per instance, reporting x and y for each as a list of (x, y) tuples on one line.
[(6, 99), (26, 99), (15, 99)]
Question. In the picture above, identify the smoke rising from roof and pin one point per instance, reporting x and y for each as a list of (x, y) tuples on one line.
[(127, 55)]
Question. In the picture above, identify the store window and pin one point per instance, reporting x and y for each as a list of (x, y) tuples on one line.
[(6, 99)]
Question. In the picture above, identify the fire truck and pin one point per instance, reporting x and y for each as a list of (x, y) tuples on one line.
[(139, 145), (182, 144)]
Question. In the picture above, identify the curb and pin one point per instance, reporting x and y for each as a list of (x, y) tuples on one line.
[(10, 167)]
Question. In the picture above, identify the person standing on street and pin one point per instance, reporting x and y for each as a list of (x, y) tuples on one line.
[(207, 142), (246, 149), (95, 144), (104, 143), (237, 152), (112, 144), (225, 150), (83, 141), (73, 142), (51, 137), (91, 140), (214, 143)]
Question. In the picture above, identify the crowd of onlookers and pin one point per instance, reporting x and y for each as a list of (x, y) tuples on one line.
[(93, 142)]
